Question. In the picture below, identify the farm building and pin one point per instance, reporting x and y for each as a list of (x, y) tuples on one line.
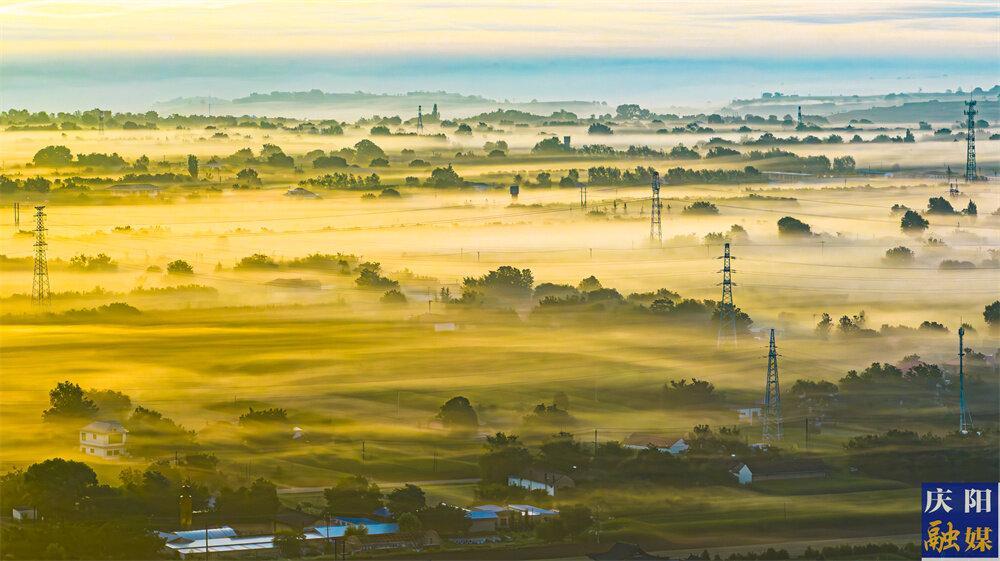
[(784, 469), (132, 189), (666, 444), (534, 479), (103, 439)]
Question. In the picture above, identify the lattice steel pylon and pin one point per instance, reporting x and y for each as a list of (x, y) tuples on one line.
[(40, 294), (772, 396), (964, 417), (655, 225), (970, 141), (727, 310), (420, 118)]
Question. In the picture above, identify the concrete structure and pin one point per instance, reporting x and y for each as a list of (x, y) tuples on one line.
[(666, 444), (747, 474), (103, 439), (534, 479)]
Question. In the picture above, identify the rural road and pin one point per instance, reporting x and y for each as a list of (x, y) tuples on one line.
[(382, 484)]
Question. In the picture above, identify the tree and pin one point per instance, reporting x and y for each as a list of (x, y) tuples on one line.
[(971, 209), (179, 267), (824, 326), (789, 226), (599, 128), (58, 486), (445, 177), (409, 523), (550, 145), (406, 499), (576, 519), (909, 137), (991, 314), (544, 179), (899, 256), (109, 402), (380, 130), (326, 162), (193, 166), (256, 261), (353, 495), (68, 403), (701, 208), (457, 413), (393, 296), (248, 176), (504, 456), (939, 205), (445, 519), (843, 164), (289, 543), (53, 157), (589, 284), (913, 222)]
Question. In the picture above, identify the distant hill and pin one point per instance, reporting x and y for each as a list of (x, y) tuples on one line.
[(933, 111), (350, 106), (787, 104)]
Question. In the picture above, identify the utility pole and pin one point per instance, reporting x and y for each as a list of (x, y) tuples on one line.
[(655, 226), (970, 141), (727, 310), (40, 294), (965, 418), (772, 396)]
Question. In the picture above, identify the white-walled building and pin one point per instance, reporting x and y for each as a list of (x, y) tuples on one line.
[(666, 444), (103, 439)]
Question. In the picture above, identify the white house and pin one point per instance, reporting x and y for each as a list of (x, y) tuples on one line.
[(666, 444), (103, 439), (534, 479)]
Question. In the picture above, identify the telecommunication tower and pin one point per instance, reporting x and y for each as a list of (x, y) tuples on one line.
[(772, 396), (970, 141), (655, 226), (727, 310), (965, 418), (40, 285), (420, 118)]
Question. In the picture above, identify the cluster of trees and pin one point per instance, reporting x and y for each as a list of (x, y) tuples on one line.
[(602, 175), (906, 456), (344, 181), (358, 496), (59, 156)]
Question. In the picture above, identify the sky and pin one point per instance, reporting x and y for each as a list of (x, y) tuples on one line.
[(511, 48)]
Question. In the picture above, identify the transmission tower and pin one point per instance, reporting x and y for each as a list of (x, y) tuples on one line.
[(965, 418), (420, 118), (970, 141), (40, 285), (655, 226), (772, 396), (727, 310)]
